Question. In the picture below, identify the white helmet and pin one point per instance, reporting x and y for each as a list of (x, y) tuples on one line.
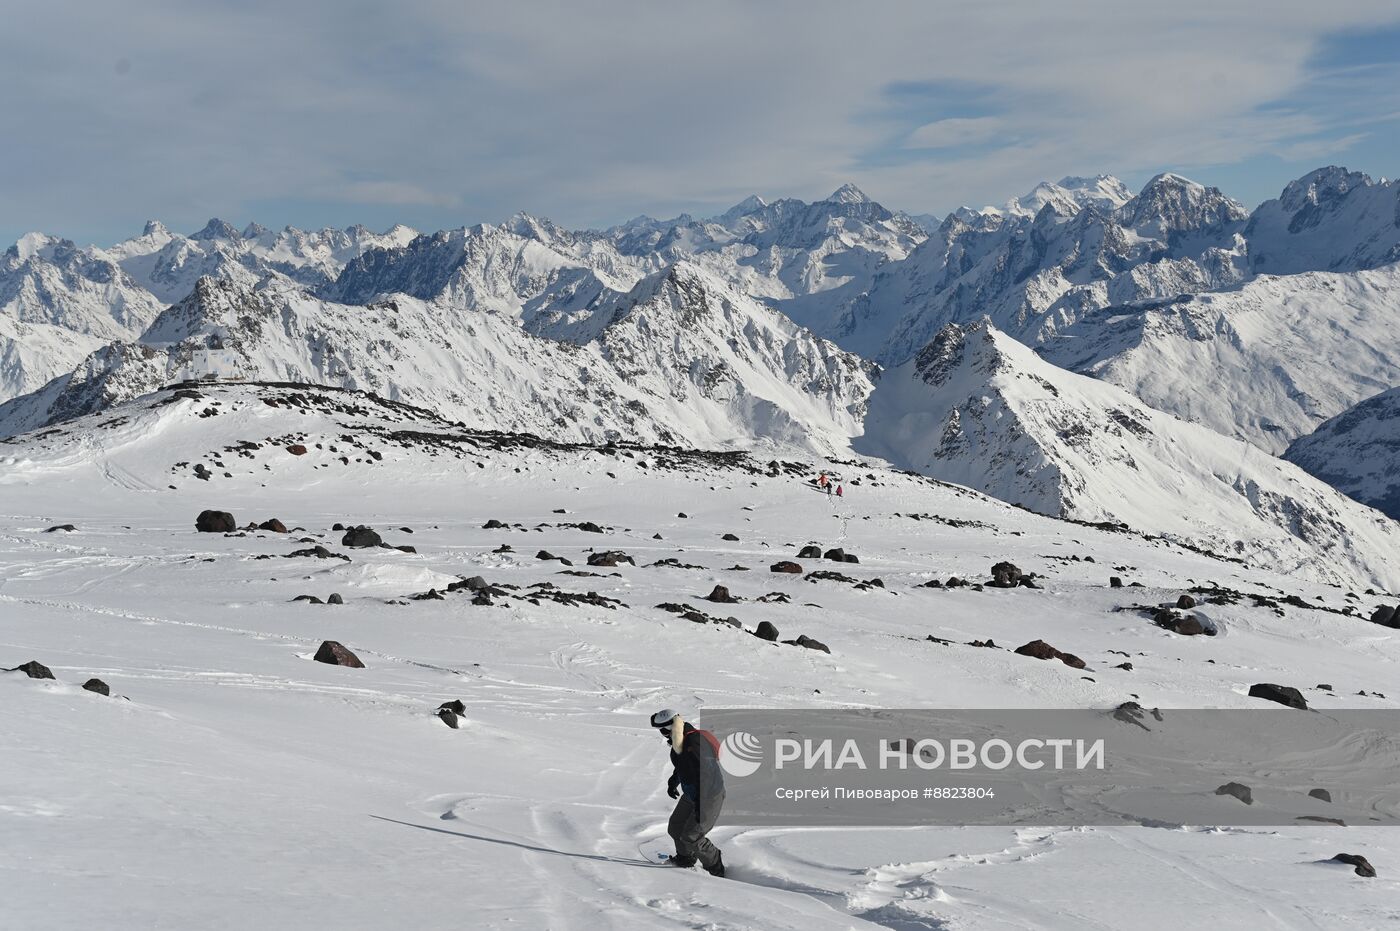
[(664, 717)]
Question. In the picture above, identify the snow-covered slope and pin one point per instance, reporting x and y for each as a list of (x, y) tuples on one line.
[(1357, 452), (1266, 361), (1329, 219), (807, 259), (44, 279), (236, 782), (33, 354), (685, 361), (522, 268), (169, 264), (1103, 192), (979, 408), (1035, 275)]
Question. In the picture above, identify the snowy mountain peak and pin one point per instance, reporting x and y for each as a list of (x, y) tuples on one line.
[(849, 194), (1322, 185), (41, 245), (979, 408), (216, 229), (155, 228), (751, 204), (1170, 205), (253, 231)]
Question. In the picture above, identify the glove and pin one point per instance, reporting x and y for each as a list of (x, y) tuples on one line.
[(672, 788)]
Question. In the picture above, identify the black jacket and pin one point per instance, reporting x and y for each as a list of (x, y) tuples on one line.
[(697, 771)]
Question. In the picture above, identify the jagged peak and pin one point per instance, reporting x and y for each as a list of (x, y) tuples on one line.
[(1171, 179), (36, 244), (155, 228), (750, 204), (1327, 183), (253, 230), (848, 193), (216, 229)]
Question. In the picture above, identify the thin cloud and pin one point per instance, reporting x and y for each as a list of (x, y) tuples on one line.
[(434, 114)]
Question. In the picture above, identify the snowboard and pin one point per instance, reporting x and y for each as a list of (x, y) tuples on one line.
[(656, 850)]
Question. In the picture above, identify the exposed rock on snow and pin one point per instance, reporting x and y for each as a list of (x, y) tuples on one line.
[(334, 654), (1283, 694), (34, 670), (215, 522)]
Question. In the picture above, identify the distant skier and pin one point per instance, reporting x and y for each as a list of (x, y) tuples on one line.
[(829, 487), (823, 481), (839, 492), (698, 782)]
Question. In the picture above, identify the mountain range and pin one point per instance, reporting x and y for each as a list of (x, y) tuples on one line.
[(1128, 357)]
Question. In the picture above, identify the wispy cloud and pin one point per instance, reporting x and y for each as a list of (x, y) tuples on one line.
[(437, 114)]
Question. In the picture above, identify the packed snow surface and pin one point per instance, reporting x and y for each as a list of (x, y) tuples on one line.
[(232, 782)]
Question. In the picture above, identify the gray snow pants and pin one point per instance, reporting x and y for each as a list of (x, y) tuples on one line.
[(689, 834)]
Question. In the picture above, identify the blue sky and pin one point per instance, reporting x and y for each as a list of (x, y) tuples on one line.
[(438, 114)]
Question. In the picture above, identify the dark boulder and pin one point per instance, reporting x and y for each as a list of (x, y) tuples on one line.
[(1005, 575), (335, 654), (318, 551), (455, 706), (835, 554), (1363, 866), (1038, 649), (1283, 694), (807, 642), (335, 599), (1320, 794), (730, 537), (849, 557), (1386, 616), (35, 670), (1190, 626), (66, 528), (1115, 582), (448, 717), (721, 595), (589, 527), (309, 599), (811, 551), (215, 522), (1186, 602), (609, 559), (766, 631), (273, 525), (1238, 790), (786, 565), (296, 449), (98, 686), (1042, 650), (493, 524), (361, 538)]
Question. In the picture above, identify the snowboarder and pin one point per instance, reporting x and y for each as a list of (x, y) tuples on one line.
[(697, 783)]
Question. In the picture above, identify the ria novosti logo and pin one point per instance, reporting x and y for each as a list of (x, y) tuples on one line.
[(741, 754)]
